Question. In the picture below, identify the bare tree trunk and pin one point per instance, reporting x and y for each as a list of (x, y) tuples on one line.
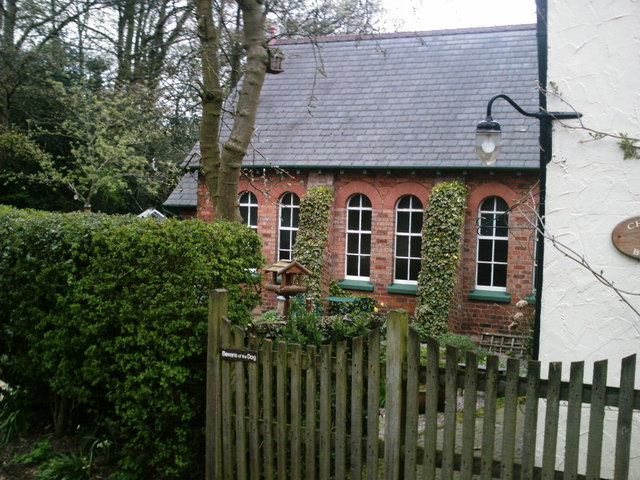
[(235, 148), (9, 12), (211, 96)]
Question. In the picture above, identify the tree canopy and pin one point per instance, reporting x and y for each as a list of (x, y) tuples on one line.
[(100, 100)]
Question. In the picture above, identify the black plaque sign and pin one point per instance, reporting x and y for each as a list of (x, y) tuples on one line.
[(235, 355)]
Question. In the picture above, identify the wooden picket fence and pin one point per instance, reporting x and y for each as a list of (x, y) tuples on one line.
[(278, 411)]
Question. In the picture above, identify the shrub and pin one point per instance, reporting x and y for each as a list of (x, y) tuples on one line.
[(313, 232), (108, 315), (441, 238), (463, 344)]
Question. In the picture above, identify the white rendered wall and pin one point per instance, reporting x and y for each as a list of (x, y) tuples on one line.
[(594, 61)]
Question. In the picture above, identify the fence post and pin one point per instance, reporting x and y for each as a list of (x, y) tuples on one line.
[(213, 456), (397, 331)]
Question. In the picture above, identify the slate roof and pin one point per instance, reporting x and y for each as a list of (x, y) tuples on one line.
[(186, 193), (402, 100)]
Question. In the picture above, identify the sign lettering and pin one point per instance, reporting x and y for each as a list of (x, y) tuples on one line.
[(235, 355), (626, 237)]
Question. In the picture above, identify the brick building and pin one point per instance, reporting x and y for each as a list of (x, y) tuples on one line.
[(382, 119)]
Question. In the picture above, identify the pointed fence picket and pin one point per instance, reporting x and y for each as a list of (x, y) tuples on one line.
[(280, 411)]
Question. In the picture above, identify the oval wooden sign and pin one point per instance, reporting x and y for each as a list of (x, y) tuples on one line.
[(626, 237)]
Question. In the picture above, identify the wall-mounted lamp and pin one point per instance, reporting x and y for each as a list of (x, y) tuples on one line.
[(488, 132)]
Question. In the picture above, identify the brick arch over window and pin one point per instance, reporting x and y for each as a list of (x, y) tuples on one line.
[(347, 191), (273, 192), (402, 189), (489, 190)]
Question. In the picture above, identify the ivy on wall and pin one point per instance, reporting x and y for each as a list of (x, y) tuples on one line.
[(441, 240), (313, 232)]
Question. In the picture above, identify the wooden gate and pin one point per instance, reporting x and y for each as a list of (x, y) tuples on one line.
[(278, 411)]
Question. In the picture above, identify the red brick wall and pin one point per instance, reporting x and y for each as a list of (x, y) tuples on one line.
[(384, 189)]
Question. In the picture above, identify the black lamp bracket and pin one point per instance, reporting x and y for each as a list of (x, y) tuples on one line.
[(540, 115)]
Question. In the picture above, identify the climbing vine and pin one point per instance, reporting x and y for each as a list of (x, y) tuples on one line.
[(313, 232), (441, 239)]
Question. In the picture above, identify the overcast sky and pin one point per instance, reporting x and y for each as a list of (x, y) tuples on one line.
[(409, 15)]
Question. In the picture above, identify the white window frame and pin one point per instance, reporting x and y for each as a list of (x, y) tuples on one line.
[(251, 204), (360, 232), (411, 256), (288, 200), (495, 212)]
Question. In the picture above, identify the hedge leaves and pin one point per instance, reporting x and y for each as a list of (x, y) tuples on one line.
[(106, 315)]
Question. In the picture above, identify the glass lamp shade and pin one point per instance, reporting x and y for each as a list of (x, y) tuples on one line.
[(488, 142)]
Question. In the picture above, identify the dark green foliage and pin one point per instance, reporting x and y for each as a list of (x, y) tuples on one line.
[(341, 328), (11, 422), (42, 452), (463, 344), (309, 328), (360, 305), (441, 239), (313, 232), (65, 466), (106, 316)]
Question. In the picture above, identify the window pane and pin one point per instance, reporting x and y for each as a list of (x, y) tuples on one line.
[(402, 269), (501, 205), (364, 266), (352, 265), (488, 203), (284, 240), (353, 243), (253, 216), (416, 222), (414, 269), (365, 243), (501, 251), (296, 218), (353, 220), (486, 224), (244, 213), (484, 250), (285, 217), (502, 223), (294, 234), (403, 222), (402, 246), (416, 244), (484, 274), (405, 202), (366, 220), (364, 201), (499, 275)]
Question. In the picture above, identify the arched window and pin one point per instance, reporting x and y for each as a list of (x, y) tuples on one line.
[(248, 204), (408, 240), (289, 217), (493, 244), (358, 261)]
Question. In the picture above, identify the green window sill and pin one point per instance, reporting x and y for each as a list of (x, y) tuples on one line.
[(403, 288), (341, 299), (362, 285), (531, 299), (490, 296)]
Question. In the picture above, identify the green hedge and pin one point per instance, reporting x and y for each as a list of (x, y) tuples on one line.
[(106, 317), (441, 240)]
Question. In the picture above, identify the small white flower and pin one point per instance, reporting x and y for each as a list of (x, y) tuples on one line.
[(518, 317), (522, 304)]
